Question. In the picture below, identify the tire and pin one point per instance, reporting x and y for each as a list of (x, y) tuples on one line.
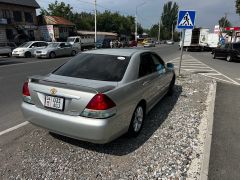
[(137, 121), (171, 87), (229, 58), (73, 53), (9, 54), (28, 54), (214, 55), (52, 55)]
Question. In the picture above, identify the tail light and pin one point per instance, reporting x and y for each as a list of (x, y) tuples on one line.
[(26, 94), (25, 90), (100, 106)]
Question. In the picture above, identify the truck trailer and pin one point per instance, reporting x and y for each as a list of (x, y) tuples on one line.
[(195, 39)]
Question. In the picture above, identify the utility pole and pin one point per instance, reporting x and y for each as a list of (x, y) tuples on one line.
[(159, 30), (95, 11), (136, 28), (172, 31), (136, 25)]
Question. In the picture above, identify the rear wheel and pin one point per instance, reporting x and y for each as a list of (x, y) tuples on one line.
[(52, 55), (137, 121), (28, 54), (229, 58)]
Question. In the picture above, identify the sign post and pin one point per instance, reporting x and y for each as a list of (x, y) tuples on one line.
[(186, 20)]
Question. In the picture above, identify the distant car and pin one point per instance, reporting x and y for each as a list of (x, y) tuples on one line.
[(56, 49), (229, 51), (149, 44), (98, 95), (169, 42), (6, 48), (27, 49), (133, 43)]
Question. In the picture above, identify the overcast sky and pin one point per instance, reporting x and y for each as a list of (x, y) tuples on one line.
[(208, 11)]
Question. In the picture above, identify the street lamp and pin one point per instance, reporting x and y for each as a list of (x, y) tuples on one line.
[(95, 12), (136, 19)]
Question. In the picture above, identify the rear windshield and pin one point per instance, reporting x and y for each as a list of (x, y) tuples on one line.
[(236, 46), (95, 66)]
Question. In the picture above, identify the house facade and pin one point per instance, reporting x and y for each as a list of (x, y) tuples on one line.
[(18, 21), (55, 28)]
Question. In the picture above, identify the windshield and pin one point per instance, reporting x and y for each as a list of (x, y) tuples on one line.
[(70, 39), (96, 67), (26, 44), (53, 45)]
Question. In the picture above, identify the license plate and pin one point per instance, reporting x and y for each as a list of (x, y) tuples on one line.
[(54, 102)]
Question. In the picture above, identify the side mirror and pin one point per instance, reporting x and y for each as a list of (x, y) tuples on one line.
[(170, 66)]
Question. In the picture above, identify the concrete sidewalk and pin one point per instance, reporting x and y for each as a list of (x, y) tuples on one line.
[(225, 148)]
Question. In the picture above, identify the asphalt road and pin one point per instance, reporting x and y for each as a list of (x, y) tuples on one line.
[(225, 147)]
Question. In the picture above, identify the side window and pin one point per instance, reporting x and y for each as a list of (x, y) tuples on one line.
[(159, 63), (34, 45), (146, 65), (62, 45), (77, 40)]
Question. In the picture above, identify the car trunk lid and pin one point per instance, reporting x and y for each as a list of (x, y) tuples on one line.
[(76, 93)]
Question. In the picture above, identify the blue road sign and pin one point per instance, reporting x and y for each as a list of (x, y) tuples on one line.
[(186, 19)]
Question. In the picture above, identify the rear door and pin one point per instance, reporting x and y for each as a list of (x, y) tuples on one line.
[(148, 77)]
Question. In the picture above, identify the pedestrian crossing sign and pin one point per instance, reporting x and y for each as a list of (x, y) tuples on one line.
[(186, 19)]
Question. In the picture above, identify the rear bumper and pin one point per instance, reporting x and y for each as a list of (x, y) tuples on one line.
[(93, 130)]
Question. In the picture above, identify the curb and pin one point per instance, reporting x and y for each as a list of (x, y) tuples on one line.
[(207, 144)]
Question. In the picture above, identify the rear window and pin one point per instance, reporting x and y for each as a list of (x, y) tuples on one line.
[(95, 66)]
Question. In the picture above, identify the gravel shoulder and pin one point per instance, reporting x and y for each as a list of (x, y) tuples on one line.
[(170, 144)]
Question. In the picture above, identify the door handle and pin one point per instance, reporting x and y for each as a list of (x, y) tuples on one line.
[(146, 83)]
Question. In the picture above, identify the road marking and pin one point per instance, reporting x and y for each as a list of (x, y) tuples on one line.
[(195, 66), (24, 63), (14, 128)]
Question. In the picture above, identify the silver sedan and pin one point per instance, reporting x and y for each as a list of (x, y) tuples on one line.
[(98, 95), (56, 49)]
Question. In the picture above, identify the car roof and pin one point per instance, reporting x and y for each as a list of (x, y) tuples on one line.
[(117, 52)]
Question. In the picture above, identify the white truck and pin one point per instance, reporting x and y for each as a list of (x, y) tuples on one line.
[(213, 40), (195, 39), (82, 42)]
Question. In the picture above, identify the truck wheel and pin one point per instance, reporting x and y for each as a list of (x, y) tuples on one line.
[(229, 58)]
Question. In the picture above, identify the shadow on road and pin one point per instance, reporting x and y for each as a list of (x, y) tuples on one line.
[(8, 61), (125, 145)]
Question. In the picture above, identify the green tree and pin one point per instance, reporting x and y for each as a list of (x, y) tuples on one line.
[(224, 22), (58, 9), (153, 32), (169, 18)]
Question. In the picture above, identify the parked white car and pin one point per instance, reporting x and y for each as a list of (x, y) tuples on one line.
[(27, 49)]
